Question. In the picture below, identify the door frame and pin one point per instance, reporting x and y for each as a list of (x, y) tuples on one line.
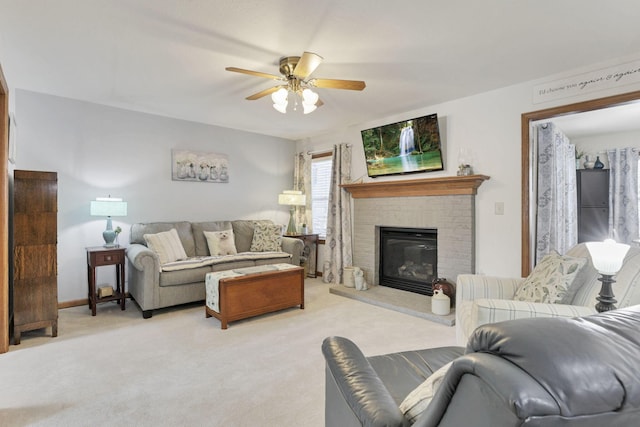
[(4, 214)]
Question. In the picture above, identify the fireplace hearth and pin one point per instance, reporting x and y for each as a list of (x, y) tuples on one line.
[(408, 258)]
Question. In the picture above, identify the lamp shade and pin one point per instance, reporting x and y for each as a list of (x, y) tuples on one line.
[(292, 198), (607, 256), (108, 206)]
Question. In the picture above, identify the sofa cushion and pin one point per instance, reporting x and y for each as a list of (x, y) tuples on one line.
[(243, 232), (182, 227), (183, 277), (201, 246), (167, 245), (266, 238), (221, 242), (552, 280), (418, 400)]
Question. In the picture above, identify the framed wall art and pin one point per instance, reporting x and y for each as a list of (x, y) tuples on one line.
[(187, 165)]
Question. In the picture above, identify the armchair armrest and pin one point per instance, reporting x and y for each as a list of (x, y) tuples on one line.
[(142, 257), (294, 247), (355, 395), (476, 286), (478, 381), (144, 277)]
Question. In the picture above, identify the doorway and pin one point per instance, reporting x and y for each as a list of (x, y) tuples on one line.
[(527, 160)]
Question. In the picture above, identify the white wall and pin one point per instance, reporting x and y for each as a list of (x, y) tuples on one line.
[(597, 145), (489, 125), (99, 151)]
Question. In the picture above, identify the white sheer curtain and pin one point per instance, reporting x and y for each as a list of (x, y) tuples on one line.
[(338, 249), (557, 206), (302, 182), (623, 194)]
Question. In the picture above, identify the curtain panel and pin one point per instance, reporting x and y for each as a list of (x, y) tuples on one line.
[(557, 205), (623, 194), (302, 182), (338, 244)]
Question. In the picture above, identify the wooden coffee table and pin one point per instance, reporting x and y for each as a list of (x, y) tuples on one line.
[(253, 291)]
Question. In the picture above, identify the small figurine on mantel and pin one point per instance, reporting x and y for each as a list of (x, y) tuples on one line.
[(464, 170)]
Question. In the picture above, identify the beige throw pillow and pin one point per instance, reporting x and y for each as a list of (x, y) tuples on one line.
[(552, 280), (167, 245), (267, 238), (221, 242), (417, 401)]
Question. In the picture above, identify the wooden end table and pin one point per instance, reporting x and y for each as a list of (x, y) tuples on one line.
[(100, 256)]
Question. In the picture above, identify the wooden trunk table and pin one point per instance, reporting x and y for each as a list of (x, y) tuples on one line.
[(248, 292)]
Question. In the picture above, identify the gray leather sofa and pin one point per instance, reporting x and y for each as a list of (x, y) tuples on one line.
[(152, 287), (527, 372)]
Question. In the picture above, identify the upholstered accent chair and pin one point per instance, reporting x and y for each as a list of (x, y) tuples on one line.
[(486, 299)]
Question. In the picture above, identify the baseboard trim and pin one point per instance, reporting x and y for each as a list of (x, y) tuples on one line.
[(79, 302)]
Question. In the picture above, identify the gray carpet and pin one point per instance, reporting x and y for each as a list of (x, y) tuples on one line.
[(179, 368)]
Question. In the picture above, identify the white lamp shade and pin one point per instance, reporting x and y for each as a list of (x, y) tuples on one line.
[(108, 207), (280, 96), (309, 97), (292, 198), (281, 107), (607, 256)]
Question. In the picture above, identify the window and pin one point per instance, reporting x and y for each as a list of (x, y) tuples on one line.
[(320, 181)]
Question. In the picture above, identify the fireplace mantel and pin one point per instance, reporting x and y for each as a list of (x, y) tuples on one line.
[(445, 186)]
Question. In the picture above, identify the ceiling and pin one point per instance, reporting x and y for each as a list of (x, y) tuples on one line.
[(168, 57)]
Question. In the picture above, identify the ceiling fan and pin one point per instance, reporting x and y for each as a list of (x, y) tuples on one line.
[(296, 71)]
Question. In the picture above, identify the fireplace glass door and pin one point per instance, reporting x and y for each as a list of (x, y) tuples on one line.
[(408, 258)]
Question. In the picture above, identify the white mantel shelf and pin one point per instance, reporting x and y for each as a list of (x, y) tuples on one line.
[(445, 186)]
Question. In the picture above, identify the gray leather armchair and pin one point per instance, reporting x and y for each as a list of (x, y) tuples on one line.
[(527, 372)]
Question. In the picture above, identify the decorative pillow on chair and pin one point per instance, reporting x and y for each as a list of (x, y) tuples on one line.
[(167, 245), (417, 401), (267, 238), (221, 242), (552, 280)]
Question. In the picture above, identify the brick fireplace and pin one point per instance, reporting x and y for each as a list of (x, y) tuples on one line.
[(445, 204)]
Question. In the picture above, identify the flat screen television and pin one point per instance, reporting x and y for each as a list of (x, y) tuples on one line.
[(403, 147)]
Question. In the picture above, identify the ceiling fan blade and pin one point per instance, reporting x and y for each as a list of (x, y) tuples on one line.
[(254, 73), (338, 84), (263, 93), (306, 65)]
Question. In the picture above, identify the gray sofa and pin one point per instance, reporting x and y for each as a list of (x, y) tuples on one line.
[(153, 288), (525, 372)]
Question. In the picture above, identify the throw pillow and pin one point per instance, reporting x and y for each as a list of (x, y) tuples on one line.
[(417, 401), (221, 242), (552, 280), (267, 238), (167, 245)]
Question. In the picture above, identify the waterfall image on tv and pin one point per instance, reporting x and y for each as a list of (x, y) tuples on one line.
[(404, 147)]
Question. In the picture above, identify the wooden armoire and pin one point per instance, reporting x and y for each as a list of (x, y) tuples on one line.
[(35, 264)]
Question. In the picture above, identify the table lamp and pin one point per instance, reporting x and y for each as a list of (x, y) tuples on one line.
[(607, 258), (108, 206), (292, 198)]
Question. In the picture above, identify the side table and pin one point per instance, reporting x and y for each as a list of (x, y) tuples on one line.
[(310, 251), (100, 256)]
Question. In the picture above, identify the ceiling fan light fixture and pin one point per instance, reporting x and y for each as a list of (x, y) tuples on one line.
[(280, 100), (281, 107), (280, 96), (309, 97), (308, 108)]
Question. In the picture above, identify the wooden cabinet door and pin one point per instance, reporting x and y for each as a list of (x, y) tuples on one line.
[(35, 264)]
